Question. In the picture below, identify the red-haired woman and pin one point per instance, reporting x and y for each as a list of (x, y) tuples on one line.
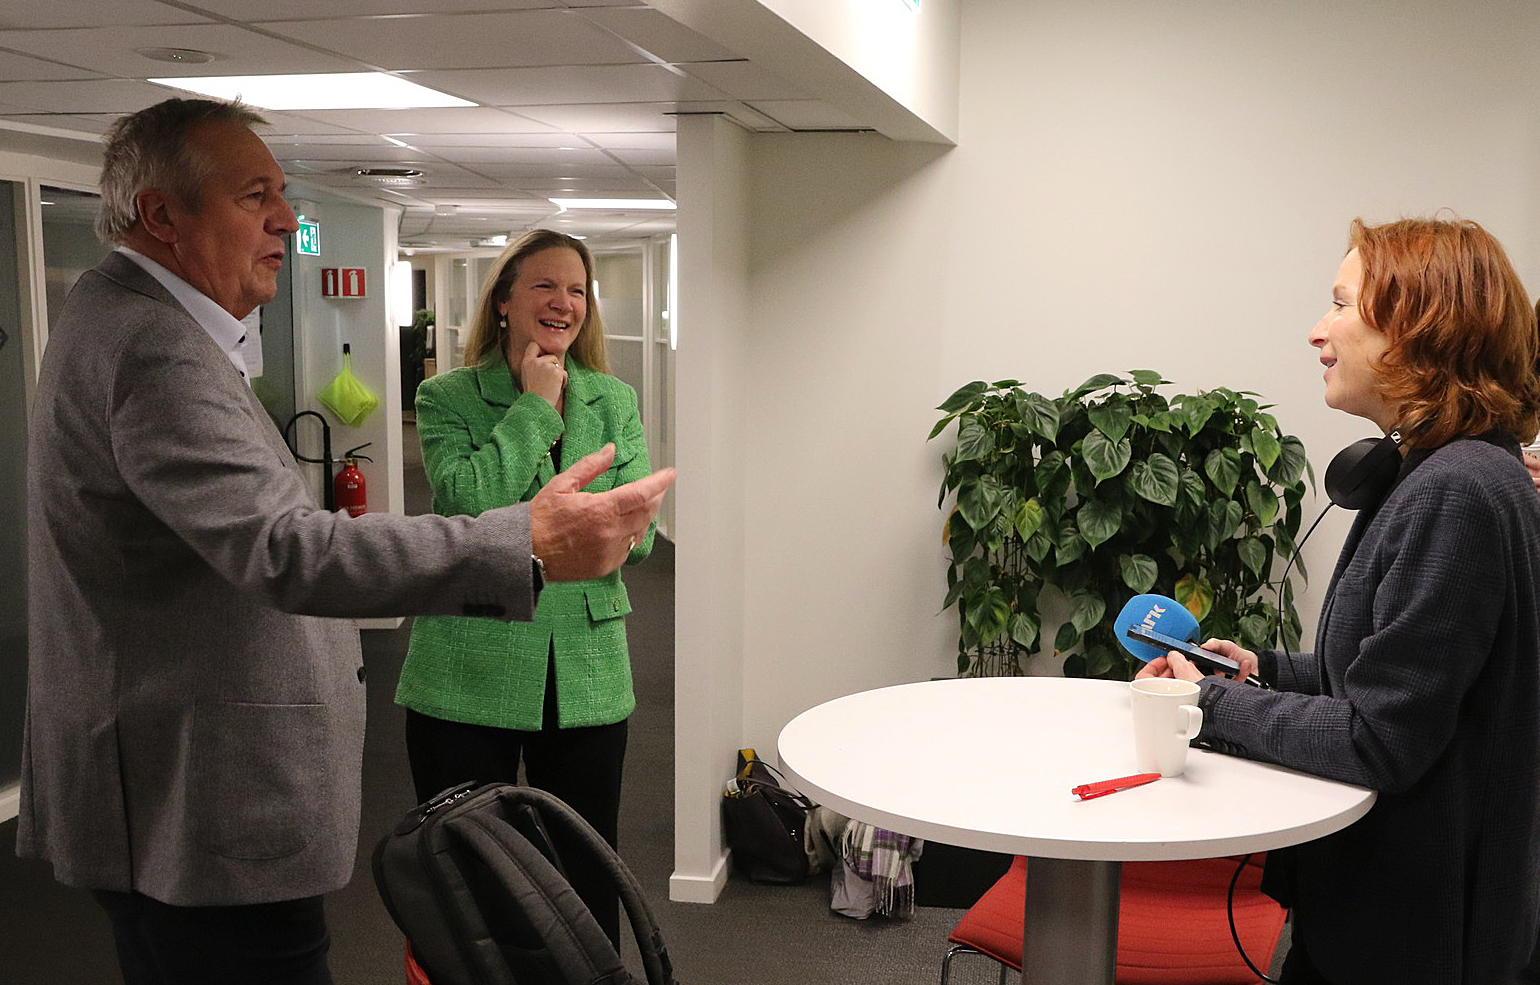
[(1425, 681)]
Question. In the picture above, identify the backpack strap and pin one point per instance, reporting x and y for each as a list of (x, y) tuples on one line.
[(649, 941), (517, 880)]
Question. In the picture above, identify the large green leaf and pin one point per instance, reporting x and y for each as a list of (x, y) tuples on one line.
[(1028, 519), (1111, 418), (1156, 479), (1253, 554), (979, 502), (1263, 502), (1147, 377), (964, 396), (1105, 458), (1099, 660), (1223, 468), (1024, 630), (1256, 631), (1066, 637), (974, 441), (1196, 596), (1098, 521), (1039, 414), (1266, 447), (1069, 547), (1197, 411), (1139, 572), (1086, 609), (1097, 382), (1290, 467)]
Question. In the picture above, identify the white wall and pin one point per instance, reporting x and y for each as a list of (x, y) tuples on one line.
[(1138, 184), (352, 235)]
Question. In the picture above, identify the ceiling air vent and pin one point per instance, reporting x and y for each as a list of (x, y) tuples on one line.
[(390, 177)]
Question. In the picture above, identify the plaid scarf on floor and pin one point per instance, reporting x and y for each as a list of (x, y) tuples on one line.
[(885, 858)]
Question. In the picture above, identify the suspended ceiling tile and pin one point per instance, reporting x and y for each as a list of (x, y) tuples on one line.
[(548, 158), (441, 141), (644, 157), (659, 35), (88, 98), (496, 40), (581, 187), (20, 68), (380, 153), (345, 138), (660, 141), (113, 51), (514, 171), (743, 80), (52, 13), (604, 117), (568, 84), (272, 10), (454, 119), (806, 114)]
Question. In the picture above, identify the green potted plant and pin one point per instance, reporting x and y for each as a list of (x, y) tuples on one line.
[(1074, 504)]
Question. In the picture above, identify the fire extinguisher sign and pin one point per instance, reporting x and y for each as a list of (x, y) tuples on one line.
[(343, 282)]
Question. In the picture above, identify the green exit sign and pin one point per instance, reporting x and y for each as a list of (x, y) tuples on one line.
[(307, 242)]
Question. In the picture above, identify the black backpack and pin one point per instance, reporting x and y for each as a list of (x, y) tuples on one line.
[(474, 880)]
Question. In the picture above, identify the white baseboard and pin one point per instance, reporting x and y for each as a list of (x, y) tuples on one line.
[(699, 889), (10, 802), (389, 622)]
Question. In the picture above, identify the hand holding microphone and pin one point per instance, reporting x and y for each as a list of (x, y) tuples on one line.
[(1151, 626)]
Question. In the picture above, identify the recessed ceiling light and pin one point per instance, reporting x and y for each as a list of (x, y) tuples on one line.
[(397, 177), (615, 204), (332, 90), (178, 56)]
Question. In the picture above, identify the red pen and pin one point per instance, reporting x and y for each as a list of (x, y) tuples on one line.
[(1102, 788)]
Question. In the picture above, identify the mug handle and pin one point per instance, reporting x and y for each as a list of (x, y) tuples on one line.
[(1194, 716)]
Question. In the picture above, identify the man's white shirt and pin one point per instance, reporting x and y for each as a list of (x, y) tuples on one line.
[(228, 332)]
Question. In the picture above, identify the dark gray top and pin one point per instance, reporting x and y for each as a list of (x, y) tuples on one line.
[(1425, 686)]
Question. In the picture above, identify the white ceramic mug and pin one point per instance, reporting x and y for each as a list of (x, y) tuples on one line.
[(1166, 717)]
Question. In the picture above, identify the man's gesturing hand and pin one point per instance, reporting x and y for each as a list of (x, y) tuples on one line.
[(581, 535)]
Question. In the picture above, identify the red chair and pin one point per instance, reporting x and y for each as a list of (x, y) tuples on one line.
[(1172, 923)]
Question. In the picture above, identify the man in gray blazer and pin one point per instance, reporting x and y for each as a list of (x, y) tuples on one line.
[(195, 708)]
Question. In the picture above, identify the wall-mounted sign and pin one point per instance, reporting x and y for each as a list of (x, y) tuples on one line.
[(342, 282), (307, 241)]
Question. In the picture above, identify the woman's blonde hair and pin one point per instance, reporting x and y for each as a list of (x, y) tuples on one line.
[(1460, 327), (489, 331)]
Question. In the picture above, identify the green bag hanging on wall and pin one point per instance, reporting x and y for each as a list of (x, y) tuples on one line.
[(346, 397)]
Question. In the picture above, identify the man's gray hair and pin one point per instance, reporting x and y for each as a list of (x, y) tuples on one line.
[(150, 149)]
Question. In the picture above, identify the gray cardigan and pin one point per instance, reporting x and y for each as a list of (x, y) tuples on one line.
[(1425, 686), (193, 731)]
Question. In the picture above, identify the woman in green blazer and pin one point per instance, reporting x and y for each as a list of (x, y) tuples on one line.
[(482, 695)]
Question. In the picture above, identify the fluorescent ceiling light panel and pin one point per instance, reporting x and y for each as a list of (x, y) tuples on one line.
[(615, 204), (332, 90)]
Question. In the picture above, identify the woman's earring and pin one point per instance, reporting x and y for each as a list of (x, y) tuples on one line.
[(502, 321)]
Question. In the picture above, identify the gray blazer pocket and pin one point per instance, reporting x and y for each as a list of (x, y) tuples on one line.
[(255, 771)]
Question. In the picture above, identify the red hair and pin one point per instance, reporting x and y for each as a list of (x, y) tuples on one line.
[(1461, 359)]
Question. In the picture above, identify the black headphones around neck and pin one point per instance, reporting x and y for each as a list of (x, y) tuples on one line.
[(1364, 472)]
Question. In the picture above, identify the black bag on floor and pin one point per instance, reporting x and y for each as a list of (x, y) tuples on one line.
[(765, 824), (474, 880)]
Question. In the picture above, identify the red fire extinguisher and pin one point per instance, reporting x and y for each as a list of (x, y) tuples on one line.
[(349, 486)]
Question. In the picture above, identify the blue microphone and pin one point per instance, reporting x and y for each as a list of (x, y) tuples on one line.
[(1151, 626)]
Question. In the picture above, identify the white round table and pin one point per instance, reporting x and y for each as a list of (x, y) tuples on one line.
[(989, 763)]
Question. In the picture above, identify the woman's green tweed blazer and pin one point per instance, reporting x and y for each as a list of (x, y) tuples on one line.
[(484, 444)]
